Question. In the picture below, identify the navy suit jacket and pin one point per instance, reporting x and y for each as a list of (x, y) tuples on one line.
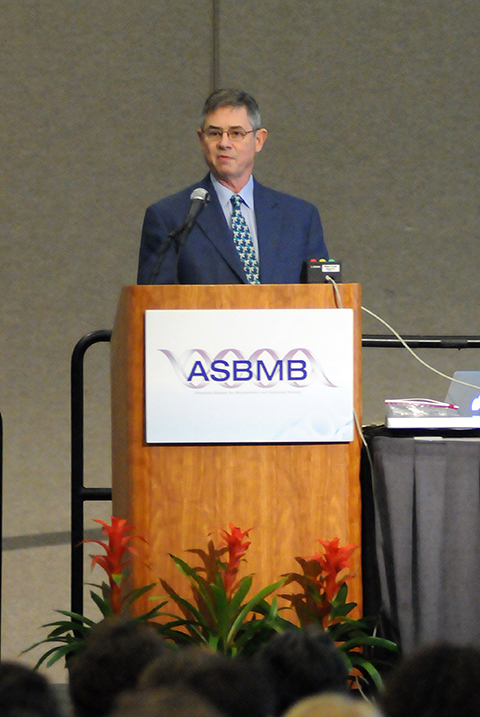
[(289, 233)]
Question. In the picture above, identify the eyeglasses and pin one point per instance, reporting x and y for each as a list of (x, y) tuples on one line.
[(236, 134)]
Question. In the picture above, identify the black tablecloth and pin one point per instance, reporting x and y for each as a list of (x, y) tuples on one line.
[(426, 536)]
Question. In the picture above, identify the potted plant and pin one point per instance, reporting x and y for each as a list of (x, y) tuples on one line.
[(323, 600), (221, 614), (112, 597)]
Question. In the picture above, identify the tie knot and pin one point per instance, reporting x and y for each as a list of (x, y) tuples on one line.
[(236, 200)]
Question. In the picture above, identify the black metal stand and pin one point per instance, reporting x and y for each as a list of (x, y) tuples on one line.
[(420, 342), (80, 494), (1, 521)]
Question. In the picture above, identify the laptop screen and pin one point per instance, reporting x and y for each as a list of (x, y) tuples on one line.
[(466, 397)]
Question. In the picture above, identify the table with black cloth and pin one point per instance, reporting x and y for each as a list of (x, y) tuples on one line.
[(421, 535)]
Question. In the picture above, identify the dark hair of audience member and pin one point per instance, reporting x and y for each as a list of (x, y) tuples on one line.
[(441, 680), (233, 685), (25, 692), (300, 663), (177, 701), (331, 704), (115, 653)]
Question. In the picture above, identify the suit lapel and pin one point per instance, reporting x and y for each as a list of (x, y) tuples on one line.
[(268, 230), (212, 222)]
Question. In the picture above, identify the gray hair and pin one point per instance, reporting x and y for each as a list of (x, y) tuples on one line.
[(233, 98)]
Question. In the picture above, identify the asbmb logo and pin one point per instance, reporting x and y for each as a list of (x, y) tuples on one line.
[(263, 368)]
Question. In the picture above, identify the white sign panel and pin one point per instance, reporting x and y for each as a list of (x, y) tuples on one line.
[(249, 376)]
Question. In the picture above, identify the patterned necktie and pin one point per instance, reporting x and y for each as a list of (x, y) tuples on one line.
[(243, 242)]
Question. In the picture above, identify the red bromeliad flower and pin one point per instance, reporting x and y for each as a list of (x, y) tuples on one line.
[(236, 551), (322, 579), (118, 554), (333, 561)]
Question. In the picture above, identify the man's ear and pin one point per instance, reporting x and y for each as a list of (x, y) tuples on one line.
[(260, 137)]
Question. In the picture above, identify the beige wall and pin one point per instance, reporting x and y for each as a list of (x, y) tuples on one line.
[(372, 111)]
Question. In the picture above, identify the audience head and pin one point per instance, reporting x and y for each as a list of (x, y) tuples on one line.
[(177, 701), (174, 666), (332, 705), (300, 663), (115, 653), (25, 692), (231, 684), (441, 680)]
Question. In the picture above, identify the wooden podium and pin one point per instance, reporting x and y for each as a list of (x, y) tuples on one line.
[(176, 495)]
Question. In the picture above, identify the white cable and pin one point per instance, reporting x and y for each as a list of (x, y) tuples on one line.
[(424, 363), (329, 279), (357, 422), (335, 288)]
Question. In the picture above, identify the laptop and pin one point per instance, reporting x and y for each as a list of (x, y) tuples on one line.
[(460, 410), (466, 397)]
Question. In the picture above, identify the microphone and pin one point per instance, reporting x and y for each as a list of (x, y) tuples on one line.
[(198, 198)]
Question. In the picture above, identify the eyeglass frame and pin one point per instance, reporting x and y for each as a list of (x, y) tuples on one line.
[(221, 132)]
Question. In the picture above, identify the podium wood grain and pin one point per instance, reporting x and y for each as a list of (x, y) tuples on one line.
[(175, 495)]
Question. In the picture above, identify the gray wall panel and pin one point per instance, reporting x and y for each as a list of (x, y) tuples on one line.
[(372, 109), (97, 103)]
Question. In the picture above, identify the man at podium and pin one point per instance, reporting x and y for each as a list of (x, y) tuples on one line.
[(228, 228)]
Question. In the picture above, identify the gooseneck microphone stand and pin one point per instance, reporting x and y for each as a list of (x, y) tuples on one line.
[(198, 198)]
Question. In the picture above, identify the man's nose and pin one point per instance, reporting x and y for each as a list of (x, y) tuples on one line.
[(225, 140)]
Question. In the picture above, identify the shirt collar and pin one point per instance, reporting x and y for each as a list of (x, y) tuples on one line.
[(224, 193)]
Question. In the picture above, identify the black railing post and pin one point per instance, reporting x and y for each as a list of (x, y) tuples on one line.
[(79, 494), (1, 522), (389, 341)]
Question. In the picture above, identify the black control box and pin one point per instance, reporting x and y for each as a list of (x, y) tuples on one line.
[(315, 271)]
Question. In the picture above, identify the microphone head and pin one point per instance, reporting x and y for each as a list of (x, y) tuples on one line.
[(200, 194)]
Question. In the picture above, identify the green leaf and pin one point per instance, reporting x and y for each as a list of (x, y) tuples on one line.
[(250, 630), (76, 616), (69, 628), (63, 652), (248, 607), (135, 594), (255, 632), (64, 624), (243, 588), (190, 608), (178, 636), (222, 610), (154, 612), (348, 662), (280, 622), (343, 609), (66, 647), (43, 642), (361, 640), (44, 657), (193, 575), (169, 631), (341, 596), (196, 629), (103, 605), (117, 578), (176, 618), (341, 630), (366, 667)]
